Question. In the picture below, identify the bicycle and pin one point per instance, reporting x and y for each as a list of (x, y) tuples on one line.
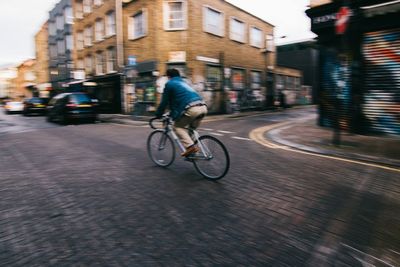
[(212, 161)]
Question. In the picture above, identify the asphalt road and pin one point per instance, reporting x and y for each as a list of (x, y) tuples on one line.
[(87, 195)]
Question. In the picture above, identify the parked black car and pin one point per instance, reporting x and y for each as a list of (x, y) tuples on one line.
[(68, 107), (34, 105)]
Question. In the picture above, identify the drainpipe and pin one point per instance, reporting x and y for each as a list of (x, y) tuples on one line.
[(120, 50)]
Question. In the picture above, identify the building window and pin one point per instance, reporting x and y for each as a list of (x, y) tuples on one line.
[(110, 23), (213, 21), (213, 78), (61, 47), (79, 64), (87, 6), (98, 2), (60, 22), (237, 30), (79, 40), (78, 9), (88, 36), (99, 30), (53, 51), (175, 14), (52, 29), (238, 79), (68, 15), (137, 25), (256, 37), (111, 59), (69, 41), (279, 82), (255, 79), (88, 64), (181, 67), (99, 63)]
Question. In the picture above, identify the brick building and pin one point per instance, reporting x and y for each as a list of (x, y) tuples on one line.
[(98, 58), (220, 48), (24, 85), (42, 61), (60, 43)]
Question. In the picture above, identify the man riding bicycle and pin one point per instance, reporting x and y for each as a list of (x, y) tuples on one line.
[(187, 108)]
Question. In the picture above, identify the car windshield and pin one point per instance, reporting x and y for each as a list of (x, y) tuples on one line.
[(36, 100), (80, 99)]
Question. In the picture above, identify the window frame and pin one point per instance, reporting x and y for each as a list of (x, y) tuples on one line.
[(243, 41), (113, 60), (131, 25), (99, 65), (251, 40), (166, 12), (221, 32), (80, 40), (99, 33), (109, 25), (88, 39)]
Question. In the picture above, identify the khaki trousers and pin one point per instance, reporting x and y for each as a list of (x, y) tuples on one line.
[(191, 118)]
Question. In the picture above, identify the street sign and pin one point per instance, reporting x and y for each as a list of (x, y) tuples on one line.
[(342, 20), (131, 60)]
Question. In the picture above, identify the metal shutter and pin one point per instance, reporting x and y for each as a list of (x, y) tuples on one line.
[(381, 105)]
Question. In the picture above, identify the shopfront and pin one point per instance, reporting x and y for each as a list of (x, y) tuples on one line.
[(360, 65)]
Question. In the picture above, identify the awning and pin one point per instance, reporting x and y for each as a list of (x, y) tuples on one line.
[(381, 9)]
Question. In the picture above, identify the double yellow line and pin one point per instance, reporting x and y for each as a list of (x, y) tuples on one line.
[(258, 136)]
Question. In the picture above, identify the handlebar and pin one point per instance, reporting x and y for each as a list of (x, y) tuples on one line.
[(165, 119)]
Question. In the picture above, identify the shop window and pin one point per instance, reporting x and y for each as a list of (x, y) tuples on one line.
[(138, 25), (238, 79), (213, 78), (237, 30), (279, 82), (255, 79), (180, 67), (213, 21), (175, 15), (256, 37), (110, 23)]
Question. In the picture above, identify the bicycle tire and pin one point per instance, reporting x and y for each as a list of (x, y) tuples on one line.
[(218, 165), (162, 156)]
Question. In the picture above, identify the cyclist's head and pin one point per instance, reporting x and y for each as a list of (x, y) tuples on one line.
[(171, 73)]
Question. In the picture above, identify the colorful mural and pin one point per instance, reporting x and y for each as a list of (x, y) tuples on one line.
[(335, 95), (381, 107)]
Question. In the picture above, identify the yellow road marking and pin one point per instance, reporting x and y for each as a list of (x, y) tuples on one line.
[(258, 136)]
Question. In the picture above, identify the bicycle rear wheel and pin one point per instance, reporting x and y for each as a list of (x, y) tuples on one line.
[(160, 148), (215, 164)]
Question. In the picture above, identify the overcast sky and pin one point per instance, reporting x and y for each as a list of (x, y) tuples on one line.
[(20, 20)]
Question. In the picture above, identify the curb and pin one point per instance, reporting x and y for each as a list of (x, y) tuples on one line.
[(274, 136)]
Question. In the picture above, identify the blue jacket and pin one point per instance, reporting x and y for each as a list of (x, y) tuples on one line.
[(177, 95)]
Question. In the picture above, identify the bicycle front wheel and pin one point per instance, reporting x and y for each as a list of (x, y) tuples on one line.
[(160, 148), (214, 161)]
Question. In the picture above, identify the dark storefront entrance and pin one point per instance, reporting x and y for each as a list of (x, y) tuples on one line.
[(360, 67)]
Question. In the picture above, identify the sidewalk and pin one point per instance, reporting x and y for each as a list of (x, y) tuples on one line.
[(308, 136)]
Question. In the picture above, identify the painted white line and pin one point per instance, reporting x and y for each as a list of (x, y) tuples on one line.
[(368, 255), (225, 132), (206, 129), (242, 138), (217, 134)]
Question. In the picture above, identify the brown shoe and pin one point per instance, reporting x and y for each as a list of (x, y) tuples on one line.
[(190, 150)]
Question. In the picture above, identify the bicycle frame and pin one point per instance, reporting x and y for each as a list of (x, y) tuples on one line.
[(169, 129)]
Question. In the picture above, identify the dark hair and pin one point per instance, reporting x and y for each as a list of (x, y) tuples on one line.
[(173, 73)]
